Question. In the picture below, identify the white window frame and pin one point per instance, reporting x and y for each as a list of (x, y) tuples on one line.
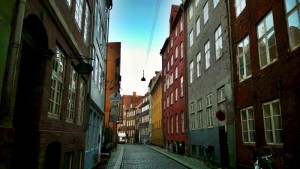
[(86, 24), (205, 13), (200, 114), (239, 6), (248, 125), (271, 119), (218, 42), (181, 49), (243, 55), (210, 122), (57, 85), (215, 2), (191, 71), (263, 41), (293, 12), (191, 36), (198, 64), (78, 13), (207, 54), (181, 86), (198, 26), (71, 95)]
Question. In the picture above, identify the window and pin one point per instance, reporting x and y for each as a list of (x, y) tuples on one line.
[(292, 8), (198, 64), (181, 86), (239, 6), (191, 11), (207, 55), (266, 41), (181, 24), (171, 98), (57, 83), (86, 24), (243, 56), (198, 26), (209, 111), (176, 94), (205, 11), (181, 49), (71, 95), (81, 102), (172, 125), (200, 114), (191, 71), (216, 3), (68, 159), (182, 122), (218, 42), (168, 68), (247, 122), (221, 98), (168, 101), (69, 2), (171, 41), (176, 116), (78, 13), (272, 122), (172, 60), (168, 121), (196, 2), (176, 52), (191, 37), (192, 116), (176, 72)]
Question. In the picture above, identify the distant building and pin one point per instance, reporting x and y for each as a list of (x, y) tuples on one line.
[(129, 119), (95, 117), (209, 81), (265, 54), (143, 116), (174, 83), (155, 88)]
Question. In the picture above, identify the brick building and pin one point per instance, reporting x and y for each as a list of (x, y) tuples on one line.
[(266, 74), (128, 125), (174, 82), (45, 85)]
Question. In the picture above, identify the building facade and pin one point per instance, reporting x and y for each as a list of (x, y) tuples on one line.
[(209, 81), (266, 54), (95, 118), (112, 89), (173, 83), (144, 120), (45, 86), (156, 110), (128, 124)]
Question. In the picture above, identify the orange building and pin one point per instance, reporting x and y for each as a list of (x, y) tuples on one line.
[(112, 88)]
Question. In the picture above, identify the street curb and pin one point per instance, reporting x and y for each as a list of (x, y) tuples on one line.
[(119, 160)]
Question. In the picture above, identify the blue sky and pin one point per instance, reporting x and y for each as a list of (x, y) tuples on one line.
[(131, 23)]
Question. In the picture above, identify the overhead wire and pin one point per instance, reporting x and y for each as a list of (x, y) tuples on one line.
[(153, 29)]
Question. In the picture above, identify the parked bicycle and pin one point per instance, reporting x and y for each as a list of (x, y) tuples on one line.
[(208, 158), (263, 162)]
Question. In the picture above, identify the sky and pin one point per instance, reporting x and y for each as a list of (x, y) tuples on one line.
[(132, 23)]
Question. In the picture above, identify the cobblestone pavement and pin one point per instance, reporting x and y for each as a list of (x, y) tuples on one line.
[(130, 156)]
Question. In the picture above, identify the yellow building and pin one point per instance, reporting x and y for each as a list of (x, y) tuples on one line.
[(155, 86)]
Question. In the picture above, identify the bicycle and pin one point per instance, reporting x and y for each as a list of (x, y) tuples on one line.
[(208, 158), (263, 162)]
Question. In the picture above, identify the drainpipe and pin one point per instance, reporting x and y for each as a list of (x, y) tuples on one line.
[(13, 61)]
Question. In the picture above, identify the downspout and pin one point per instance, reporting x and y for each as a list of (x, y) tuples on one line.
[(13, 61), (232, 82)]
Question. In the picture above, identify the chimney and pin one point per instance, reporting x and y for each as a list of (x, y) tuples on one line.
[(134, 94)]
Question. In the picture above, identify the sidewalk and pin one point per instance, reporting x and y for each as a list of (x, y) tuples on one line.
[(182, 159)]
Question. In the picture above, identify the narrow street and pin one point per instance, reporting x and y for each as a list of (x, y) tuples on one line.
[(141, 156), (137, 156)]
